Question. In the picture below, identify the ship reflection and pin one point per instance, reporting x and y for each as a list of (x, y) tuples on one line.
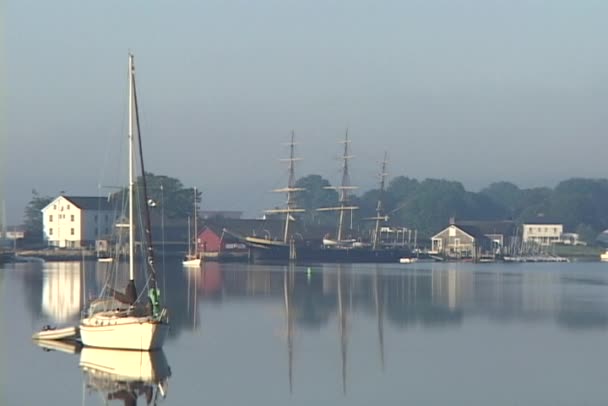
[(120, 375)]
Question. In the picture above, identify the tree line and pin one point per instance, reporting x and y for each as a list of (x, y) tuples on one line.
[(581, 205), (425, 205)]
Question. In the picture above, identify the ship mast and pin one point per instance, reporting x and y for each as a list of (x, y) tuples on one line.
[(379, 209), (343, 190), (290, 190)]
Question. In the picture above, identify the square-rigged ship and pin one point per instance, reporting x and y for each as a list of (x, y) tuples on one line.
[(293, 248)]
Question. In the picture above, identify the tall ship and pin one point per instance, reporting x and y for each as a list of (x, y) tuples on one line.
[(342, 247)]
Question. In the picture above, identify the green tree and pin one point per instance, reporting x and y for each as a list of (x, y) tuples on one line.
[(32, 218), (167, 191), (435, 201), (314, 196), (505, 194), (587, 233)]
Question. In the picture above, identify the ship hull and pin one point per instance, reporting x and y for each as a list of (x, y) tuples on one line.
[(125, 333), (307, 254)]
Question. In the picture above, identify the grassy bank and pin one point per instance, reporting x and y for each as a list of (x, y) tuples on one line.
[(579, 251)]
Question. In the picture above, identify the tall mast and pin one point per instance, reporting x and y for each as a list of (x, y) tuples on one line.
[(195, 226), (343, 189), (189, 238), (131, 181), (379, 208), (290, 190)]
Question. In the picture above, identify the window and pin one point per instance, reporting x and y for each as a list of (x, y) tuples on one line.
[(54, 207), (51, 218), (68, 207), (50, 231), (71, 231), (72, 217)]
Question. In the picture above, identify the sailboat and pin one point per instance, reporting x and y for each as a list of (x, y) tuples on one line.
[(129, 320), (193, 259)]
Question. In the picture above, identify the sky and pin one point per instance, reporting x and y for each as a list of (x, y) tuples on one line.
[(471, 90)]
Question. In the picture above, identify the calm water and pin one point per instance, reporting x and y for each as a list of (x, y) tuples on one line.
[(428, 334)]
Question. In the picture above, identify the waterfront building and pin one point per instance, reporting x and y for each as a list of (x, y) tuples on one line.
[(461, 241), (77, 221), (542, 233)]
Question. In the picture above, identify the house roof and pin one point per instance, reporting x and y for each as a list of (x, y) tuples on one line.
[(473, 231), (502, 227), (91, 202), (541, 219), (233, 214)]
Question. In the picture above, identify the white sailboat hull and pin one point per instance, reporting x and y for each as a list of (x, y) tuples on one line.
[(126, 333), (604, 257), (191, 262), (105, 259)]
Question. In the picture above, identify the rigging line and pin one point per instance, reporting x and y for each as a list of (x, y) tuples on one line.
[(109, 148), (150, 249)]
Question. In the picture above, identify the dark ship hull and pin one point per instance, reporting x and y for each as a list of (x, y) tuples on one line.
[(304, 253)]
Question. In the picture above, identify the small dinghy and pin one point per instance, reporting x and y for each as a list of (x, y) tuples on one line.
[(70, 347), (53, 333)]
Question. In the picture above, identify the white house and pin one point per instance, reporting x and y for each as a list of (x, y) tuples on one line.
[(77, 221), (542, 233)]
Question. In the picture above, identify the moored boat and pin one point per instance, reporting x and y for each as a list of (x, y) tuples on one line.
[(128, 320)]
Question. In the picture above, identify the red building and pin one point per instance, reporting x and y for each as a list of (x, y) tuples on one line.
[(218, 240)]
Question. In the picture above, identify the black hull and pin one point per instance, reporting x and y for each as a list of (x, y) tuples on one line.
[(306, 254)]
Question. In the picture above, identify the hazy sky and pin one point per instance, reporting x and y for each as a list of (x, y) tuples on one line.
[(475, 91)]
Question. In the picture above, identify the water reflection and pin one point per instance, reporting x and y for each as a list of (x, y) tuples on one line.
[(119, 375), (342, 324), (61, 291), (125, 375), (435, 296), (348, 331)]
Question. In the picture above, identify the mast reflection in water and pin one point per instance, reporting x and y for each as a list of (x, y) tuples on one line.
[(345, 331)]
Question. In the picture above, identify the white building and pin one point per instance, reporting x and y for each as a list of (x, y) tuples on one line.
[(542, 234), (77, 221)]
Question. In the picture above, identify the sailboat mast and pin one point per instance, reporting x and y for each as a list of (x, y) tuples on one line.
[(195, 226), (344, 188), (379, 208), (290, 190), (131, 181), (189, 238), (290, 185)]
